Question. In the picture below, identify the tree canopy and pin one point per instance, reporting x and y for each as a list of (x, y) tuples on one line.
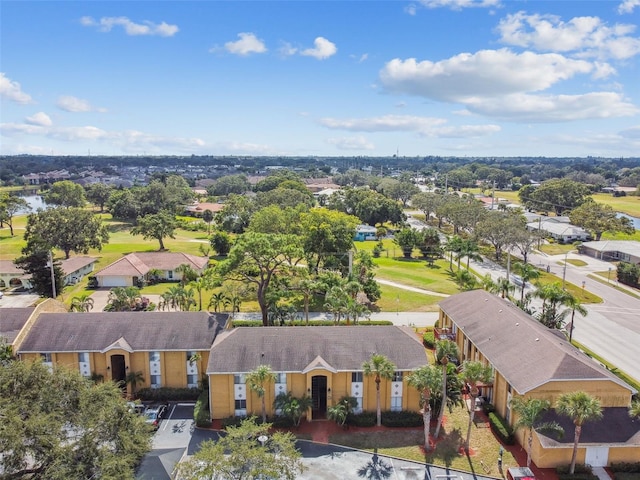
[(69, 229), (65, 194), (598, 218), (157, 226), (58, 425)]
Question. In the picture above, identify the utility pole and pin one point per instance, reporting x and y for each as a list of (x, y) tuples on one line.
[(350, 262), (53, 275), (493, 194)]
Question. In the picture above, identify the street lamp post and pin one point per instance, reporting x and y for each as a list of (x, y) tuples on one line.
[(609, 275), (564, 271)]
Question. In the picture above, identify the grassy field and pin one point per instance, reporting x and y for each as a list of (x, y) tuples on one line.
[(407, 443)]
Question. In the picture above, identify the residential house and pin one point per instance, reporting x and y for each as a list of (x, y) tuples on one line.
[(532, 361), (73, 269), (136, 268), (612, 250), (365, 232), (16, 322), (169, 349), (198, 208), (324, 363), (559, 230)]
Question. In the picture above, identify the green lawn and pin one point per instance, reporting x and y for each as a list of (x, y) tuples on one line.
[(406, 443)]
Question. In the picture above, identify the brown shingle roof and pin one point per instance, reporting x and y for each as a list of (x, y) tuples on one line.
[(142, 331), (139, 263), (292, 349), (524, 351), (12, 320)]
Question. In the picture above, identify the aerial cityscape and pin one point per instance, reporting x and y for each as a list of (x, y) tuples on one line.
[(320, 240)]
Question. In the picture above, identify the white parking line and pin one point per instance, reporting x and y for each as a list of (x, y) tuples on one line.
[(164, 427)]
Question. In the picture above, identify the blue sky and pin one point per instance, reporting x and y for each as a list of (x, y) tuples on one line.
[(337, 78)]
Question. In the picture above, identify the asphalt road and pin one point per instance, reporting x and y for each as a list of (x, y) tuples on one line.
[(177, 438)]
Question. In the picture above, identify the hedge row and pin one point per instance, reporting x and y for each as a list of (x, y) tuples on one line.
[(278, 421), (501, 428), (429, 339), (312, 323), (167, 394), (403, 418), (627, 467), (201, 411), (626, 476), (578, 469)]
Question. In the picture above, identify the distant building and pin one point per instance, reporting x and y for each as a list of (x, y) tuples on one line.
[(612, 250)]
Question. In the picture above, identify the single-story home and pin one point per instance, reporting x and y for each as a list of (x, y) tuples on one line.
[(169, 349), (324, 363), (560, 231), (198, 208), (365, 232), (531, 361), (612, 250), (74, 269), (136, 268)]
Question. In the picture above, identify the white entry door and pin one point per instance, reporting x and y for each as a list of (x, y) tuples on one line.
[(597, 456)]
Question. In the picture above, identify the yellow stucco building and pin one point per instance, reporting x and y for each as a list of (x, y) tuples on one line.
[(168, 349), (530, 360), (324, 363)]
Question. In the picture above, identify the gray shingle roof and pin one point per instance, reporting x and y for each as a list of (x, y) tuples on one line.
[(292, 349), (12, 320), (524, 351), (142, 331)]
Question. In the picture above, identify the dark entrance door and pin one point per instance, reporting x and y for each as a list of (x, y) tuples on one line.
[(118, 372), (319, 396)]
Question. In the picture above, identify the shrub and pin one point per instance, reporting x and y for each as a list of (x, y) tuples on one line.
[(201, 411), (404, 418), (579, 468), (501, 429), (626, 476), (167, 394), (488, 407), (628, 467), (231, 421), (364, 419), (281, 421), (429, 340)]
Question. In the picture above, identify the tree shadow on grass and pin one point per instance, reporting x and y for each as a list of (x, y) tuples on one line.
[(447, 448)]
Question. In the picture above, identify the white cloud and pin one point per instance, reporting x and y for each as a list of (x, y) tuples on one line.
[(627, 6), (425, 126), (106, 24), (361, 58), (583, 36), (487, 73), (322, 49), (127, 140), (286, 49), (351, 143), (246, 45), (633, 132), (12, 91), (73, 104), (40, 118), (411, 9), (460, 4), (554, 108)]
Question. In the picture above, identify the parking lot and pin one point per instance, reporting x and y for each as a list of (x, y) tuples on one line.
[(18, 299), (178, 437)]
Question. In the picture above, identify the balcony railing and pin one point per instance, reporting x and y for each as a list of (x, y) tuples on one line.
[(445, 334)]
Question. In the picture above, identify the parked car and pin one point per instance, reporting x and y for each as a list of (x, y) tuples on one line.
[(154, 414), (135, 407)]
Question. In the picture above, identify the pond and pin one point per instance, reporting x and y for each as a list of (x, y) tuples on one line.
[(634, 220)]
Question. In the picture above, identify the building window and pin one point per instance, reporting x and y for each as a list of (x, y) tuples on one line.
[(154, 356), (239, 379), (192, 381), (356, 376), (396, 404), (170, 274), (156, 381), (281, 378), (397, 377), (46, 357), (358, 408), (83, 357)]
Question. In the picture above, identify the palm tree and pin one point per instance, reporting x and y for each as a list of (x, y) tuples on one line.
[(134, 379), (379, 367), (427, 380), (207, 216), (580, 407), (529, 412), (488, 284), (445, 350), (257, 379), (188, 273), (473, 373), (527, 272), (552, 296), (218, 299), (504, 286), (466, 281), (453, 245), (292, 407), (469, 249), (575, 305), (81, 303), (634, 409)]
